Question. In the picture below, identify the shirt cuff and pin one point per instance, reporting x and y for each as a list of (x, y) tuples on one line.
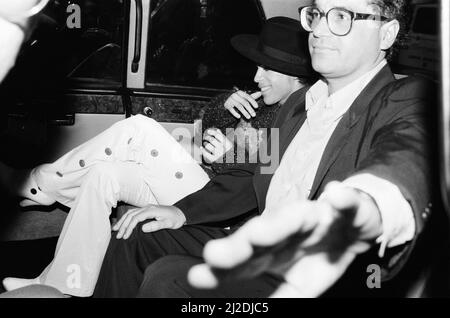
[(396, 214)]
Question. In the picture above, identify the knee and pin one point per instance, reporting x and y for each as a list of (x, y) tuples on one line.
[(119, 249), (102, 173), (136, 239), (103, 180), (125, 123), (167, 277), (136, 121)]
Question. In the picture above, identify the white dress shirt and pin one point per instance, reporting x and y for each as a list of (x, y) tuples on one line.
[(295, 175)]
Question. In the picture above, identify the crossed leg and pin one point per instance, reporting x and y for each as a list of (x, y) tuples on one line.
[(135, 161)]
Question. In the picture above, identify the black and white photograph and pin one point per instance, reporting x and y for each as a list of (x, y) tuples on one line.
[(224, 153)]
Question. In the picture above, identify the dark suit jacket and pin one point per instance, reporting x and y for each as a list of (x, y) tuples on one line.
[(384, 133)]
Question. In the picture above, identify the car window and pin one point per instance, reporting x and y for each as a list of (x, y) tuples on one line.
[(426, 13), (76, 40), (189, 42), (97, 45)]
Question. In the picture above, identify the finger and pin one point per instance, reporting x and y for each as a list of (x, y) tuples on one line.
[(201, 276), (357, 210), (156, 226), (126, 220), (230, 106), (256, 95), (286, 290), (244, 106), (122, 219), (126, 223), (313, 274), (340, 196), (223, 143), (212, 140), (135, 220), (249, 99), (217, 134), (204, 150), (208, 156), (118, 223), (230, 251), (348, 204), (227, 253), (233, 112), (209, 147), (211, 132), (243, 111), (208, 132), (275, 226)]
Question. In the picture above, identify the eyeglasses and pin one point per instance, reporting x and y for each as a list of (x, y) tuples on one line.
[(339, 20)]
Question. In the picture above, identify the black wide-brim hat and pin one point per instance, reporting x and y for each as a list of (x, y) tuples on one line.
[(282, 46)]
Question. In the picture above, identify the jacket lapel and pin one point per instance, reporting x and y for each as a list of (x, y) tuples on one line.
[(290, 129), (339, 138), (294, 119)]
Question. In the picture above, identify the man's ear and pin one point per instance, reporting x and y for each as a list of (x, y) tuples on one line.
[(389, 32)]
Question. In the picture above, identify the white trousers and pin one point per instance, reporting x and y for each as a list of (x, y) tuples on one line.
[(135, 161)]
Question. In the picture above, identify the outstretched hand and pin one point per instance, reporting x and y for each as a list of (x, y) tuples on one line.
[(309, 243)]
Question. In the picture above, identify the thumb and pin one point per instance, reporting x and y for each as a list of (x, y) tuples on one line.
[(341, 197), (365, 216), (154, 226)]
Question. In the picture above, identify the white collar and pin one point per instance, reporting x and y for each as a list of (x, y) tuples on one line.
[(341, 100)]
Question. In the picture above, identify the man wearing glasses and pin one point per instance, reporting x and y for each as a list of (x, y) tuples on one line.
[(353, 179)]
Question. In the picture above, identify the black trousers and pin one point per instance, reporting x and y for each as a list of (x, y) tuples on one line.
[(156, 265)]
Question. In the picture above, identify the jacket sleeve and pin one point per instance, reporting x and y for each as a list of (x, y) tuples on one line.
[(228, 195), (401, 150), (231, 193)]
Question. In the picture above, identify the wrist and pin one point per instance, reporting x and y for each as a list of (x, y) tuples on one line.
[(181, 215)]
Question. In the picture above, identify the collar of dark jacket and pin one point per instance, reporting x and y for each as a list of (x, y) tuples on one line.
[(383, 78)]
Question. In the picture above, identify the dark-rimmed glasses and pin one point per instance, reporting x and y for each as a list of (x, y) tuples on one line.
[(339, 20)]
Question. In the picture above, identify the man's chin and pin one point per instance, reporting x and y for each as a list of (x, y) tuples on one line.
[(324, 67)]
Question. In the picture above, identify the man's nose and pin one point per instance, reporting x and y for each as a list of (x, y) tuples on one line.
[(322, 28)]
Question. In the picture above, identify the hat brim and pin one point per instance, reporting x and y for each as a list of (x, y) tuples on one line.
[(247, 45)]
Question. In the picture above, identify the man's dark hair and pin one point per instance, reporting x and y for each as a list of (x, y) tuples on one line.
[(398, 10)]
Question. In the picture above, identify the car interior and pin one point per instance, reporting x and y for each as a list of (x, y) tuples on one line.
[(168, 59)]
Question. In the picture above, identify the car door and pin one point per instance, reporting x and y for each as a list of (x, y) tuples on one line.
[(90, 63), (66, 87)]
